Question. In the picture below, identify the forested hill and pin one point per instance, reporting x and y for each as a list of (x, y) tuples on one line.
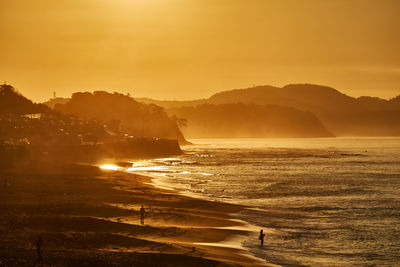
[(249, 121), (12, 102), (124, 113)]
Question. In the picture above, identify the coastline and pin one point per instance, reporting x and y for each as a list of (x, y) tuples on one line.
[(85, 214)]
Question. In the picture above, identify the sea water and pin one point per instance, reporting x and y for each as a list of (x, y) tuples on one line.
[(322, 202)]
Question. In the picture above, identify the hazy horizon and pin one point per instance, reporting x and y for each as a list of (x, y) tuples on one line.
[(175, 49), (21, 90)]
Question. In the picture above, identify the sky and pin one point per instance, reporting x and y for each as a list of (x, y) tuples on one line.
[(190, 49)]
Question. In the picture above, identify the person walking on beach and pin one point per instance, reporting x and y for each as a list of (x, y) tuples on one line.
[(142, 213), (261, 237)]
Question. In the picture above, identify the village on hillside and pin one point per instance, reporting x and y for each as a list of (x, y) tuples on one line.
[(31, 131)]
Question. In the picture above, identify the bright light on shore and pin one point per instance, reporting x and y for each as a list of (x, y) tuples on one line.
[(110, 167)]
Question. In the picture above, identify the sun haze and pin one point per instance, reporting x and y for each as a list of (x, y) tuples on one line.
[(180, 49)]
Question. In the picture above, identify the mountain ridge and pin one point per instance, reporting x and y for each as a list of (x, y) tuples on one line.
[(343, 115)]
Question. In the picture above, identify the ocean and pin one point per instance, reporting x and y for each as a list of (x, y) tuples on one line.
[(321, 202)]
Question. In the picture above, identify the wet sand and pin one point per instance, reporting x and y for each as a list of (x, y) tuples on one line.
[(88, 215)]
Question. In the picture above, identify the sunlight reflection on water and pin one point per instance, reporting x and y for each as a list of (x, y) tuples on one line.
[(110, 167)]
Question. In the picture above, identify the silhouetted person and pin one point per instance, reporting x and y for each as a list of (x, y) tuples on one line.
[(38, 249), (142, 213), (261, 237)]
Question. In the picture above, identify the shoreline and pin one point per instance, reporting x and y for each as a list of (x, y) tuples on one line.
[(85, 214), (236, 241), (233, 241)]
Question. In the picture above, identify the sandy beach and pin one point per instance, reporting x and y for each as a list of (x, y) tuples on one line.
[(90, 217)]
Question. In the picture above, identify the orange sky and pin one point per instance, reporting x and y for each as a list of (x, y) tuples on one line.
[(185, 49)]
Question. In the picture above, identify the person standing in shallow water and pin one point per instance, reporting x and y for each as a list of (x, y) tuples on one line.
[(142, 213), (261, 237)]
